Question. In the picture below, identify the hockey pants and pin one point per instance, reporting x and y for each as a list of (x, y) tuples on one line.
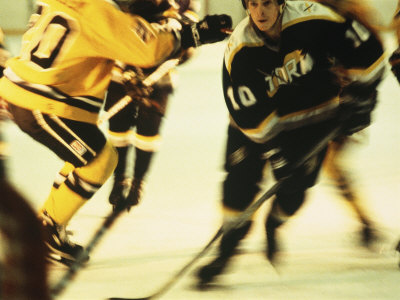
[(90, 159)]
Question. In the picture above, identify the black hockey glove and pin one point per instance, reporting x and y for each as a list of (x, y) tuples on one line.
[(358, 102), (282, 156), (286, 163), (279, 163), (213, 28), (298, 152)]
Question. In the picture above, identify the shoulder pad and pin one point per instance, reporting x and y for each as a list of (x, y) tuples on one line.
[(301, 11), (243, 36)]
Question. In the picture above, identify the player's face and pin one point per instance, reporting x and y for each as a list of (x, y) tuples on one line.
[(264, 13)]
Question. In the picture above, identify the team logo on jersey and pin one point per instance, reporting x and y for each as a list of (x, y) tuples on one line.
[(295, 64), (142, 31), (78, 147)]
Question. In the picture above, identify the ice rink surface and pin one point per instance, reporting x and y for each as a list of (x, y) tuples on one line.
[(180, 211)]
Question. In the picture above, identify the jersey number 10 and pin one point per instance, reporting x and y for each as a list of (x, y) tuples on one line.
[(47, 38)]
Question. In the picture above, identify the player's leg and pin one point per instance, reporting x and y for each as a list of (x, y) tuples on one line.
[(83, 146), (63, 203), (344, 184), (289, 198), (120, 135), (244, 164), (147, 139)]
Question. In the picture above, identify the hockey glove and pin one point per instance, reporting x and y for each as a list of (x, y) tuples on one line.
[(279, 163), (358, 102), (285, 164), (209, 30), (298, 152), (133, 82)]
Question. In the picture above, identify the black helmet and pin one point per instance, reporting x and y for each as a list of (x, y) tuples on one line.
[(148, 8)]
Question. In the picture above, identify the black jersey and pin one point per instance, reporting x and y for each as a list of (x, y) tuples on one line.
[(273, 87)]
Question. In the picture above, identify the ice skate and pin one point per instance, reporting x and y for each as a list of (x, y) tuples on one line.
[(126, 193), (368, 236), (120, 191), (135, 192), (227, 249), (272, 247), (60, 248), (207, 273)]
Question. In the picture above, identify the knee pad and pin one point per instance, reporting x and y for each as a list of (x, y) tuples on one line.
[(101, 167), (62, 175)]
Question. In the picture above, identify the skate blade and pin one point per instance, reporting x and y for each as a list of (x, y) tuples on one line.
[(56, 253), (58, 260)]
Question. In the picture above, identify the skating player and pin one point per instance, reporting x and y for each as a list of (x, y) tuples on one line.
[(293, 71), (129, 178)]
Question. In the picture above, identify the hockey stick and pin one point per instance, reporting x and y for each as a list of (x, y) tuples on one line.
[(78, 264), (240, 220), (163, 69), (223, 229)]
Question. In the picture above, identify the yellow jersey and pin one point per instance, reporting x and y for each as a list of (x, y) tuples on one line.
[(67, 55)]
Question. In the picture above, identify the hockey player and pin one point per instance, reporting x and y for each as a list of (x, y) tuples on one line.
[(146, 119), (56, 86), (293, 71)]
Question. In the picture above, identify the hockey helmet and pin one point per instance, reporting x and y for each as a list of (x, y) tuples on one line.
[(279, 2)]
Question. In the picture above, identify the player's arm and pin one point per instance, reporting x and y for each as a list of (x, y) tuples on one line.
[(361, 66), (135, 41), (356, 68)]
